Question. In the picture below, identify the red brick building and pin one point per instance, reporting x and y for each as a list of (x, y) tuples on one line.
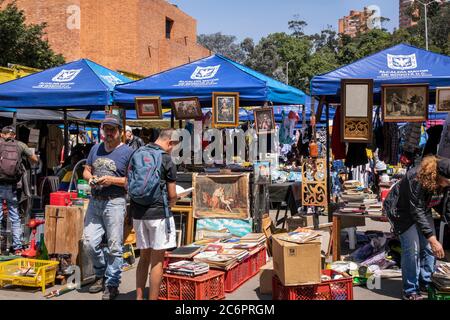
[(355, 22), (139, 36)]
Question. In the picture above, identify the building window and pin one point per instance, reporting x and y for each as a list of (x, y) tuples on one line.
[(169, 26)]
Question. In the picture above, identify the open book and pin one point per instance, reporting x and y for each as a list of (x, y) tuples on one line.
[(183, 193)]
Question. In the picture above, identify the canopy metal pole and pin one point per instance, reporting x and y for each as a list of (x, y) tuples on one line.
[(330, 214), (14, 120), (172, 120), (66, 135)]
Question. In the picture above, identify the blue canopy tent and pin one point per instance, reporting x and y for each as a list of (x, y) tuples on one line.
[(81, 84), (401, 64), (203, 77)]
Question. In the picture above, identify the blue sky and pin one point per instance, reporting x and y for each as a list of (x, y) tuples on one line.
[(258, 18)]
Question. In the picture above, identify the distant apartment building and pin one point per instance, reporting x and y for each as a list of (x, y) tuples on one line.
[(138, 36), (355, 22), (405, 20)]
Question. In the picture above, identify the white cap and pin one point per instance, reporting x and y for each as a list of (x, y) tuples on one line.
[(128, 128)]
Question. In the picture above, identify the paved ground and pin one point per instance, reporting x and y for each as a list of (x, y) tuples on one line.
[(390, 288)]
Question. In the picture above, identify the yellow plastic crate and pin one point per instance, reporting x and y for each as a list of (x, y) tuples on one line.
[(28, 273)]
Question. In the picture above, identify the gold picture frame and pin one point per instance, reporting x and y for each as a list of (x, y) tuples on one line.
[(405, 102), (443, 99), (186, 108), (225, 107), (148, 107)]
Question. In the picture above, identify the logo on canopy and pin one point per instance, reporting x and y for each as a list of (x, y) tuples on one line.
[(66, 75), (203, 73), (402, 62), (112, 79)]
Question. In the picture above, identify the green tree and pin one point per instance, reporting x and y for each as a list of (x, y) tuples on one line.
[(226, 45), (23, 44)]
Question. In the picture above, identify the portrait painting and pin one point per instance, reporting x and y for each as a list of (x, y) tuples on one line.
[(264, 120), (262, 172), (186, 108), (221, 196), (443, 99), (405, 103), (148, 108), (225, 109)]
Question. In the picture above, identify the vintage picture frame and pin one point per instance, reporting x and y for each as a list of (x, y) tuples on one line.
[(357, 109), (186, 108), (221, 196), (405, 102), (225, 107), (443, 99), (264, 120), (262, 172), (148, 108)]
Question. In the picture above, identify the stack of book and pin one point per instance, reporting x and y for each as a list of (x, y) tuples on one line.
[(186, 252), (441, 278), (225, 260), (251, 241), (300, 235), (375, 209), (187, 268)]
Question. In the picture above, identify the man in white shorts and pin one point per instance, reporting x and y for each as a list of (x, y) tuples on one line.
[(153, 236)]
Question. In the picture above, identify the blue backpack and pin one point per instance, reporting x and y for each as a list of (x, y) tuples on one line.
[(144, 178)]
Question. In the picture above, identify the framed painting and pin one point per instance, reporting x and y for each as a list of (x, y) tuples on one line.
[(405, 103), (225, 106), (443, 99), (221, 196), (262, 172), (186, 108), (357, 105), (264, 120), (148, 108)]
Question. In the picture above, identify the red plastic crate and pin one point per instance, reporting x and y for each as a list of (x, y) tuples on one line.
[(237, 275), (205, 287), (257, 261), (341, 289)]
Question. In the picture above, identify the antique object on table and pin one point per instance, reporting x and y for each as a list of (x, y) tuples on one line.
[(186, 108), (225, 106), (221, 196), (148, 108), (405, 103), (443, 99), (314, 183), (264, 120), (262, 172), (357, 105)]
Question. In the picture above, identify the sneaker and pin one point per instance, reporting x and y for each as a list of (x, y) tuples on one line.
[(97, 286), (110, 293), (413, 296)]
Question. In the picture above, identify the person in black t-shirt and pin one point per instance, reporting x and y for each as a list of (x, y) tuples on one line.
[(153, 238)]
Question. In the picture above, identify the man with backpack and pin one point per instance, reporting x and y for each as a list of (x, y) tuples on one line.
[(152, 189), (12, 152), (105, 170)]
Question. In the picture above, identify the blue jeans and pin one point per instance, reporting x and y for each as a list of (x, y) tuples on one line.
[(9, 194), (418, 261), (105, 216)]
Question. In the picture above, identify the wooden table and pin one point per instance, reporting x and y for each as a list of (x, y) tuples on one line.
[(187, 210), (336, 232)]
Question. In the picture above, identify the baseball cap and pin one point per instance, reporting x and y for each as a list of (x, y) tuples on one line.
[(9, 129), (128, 128), (112, 120), (444, 167)]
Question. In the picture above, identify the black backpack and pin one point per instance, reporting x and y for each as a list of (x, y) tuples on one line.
[(10, 162), (390, 205)]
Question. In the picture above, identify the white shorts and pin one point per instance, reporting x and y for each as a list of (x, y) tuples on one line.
[(152, 234)]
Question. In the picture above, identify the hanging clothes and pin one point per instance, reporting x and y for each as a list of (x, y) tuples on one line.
[(444, 144), (389, 153), (413, 133), (337, 146), (356, 155), (54, 146)]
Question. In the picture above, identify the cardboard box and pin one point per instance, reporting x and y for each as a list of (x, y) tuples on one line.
[(265, 279), (297, 264)]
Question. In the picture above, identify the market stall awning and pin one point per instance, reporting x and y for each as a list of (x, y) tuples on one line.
[(41, 114), (212, 74), (81, 83), (401, 64)]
